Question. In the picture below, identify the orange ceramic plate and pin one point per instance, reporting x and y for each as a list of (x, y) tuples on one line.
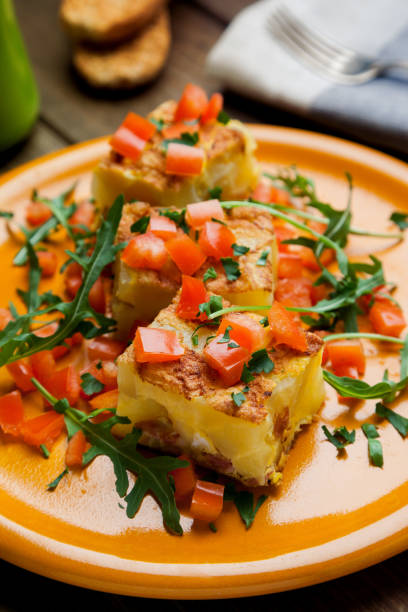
[(330, 517)]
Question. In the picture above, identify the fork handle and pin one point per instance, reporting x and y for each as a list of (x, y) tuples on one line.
[(383, 66)]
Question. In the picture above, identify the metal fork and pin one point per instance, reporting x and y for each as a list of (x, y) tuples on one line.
[(322, 54)]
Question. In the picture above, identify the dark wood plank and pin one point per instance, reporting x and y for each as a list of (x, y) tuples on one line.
[(42, 140), (226, 10), (80, 113)]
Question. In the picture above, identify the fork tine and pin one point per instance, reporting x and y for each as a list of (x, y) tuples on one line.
[(316, 39)]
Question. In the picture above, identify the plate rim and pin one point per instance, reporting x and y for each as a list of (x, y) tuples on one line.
[(39, 554)]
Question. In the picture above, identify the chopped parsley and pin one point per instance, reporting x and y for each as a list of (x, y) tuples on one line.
[(178, 217), (233, 344), (5, 214), (264, 321), (246, 375), (226, 337), (340, 437), (218, 221), (260, 362), (215, 192), (400, 219), (213, 305), (210, 273), (159, 123), (54, 484), (244, 502), (212, 527), (45, 451), (141, 225), (238, 398), (374, 445), (223, 117), (399, 422), (239, 249), (186, 138), (263, 258), (90, 384), (231, 268)]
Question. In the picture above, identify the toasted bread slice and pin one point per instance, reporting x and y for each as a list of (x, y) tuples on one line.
[(105, 22), (128, 64), (230, 164), (182, 406), (140, 294)]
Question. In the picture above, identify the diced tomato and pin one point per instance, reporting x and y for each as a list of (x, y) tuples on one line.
[(229, 362), (283, 232), (75, 450), (5, 318), (317, 226), (266, 192), (11, 413), (65, 383), (289, 265), (145, 251), (281, 196), (96, 297), (193, 293), (216, 240), (186, 254), (139, 125), (47, 261), (60, 350), (22, 373), (37, 213), (177, 129), (285, 329), (213, 108), (105, 349), (184, 480), (387, 318), (309, 260), (346, 353), (84, 215), (125, 142), (72, 285), (106, 400), (200, 212), (43, 366), (44, 429), (162, 227), (346, 370), (294, 292), (246, 332), (184, 160), (379, 294), (207, 502), (74, 269), (156, 345), (192, 104), (319, 292)]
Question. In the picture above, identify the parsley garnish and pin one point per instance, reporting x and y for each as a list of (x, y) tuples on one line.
[(231, 268), (194, 340), (45, 451), (340, 436), (5, 214), (238, 398), (399, 422), (246, 375), (159, 123), (233, 344), (226, 337), (90, 384), (263, 258), (212, 527), (244, 502), (213, 305), (215, 192), (218, 221), (152, 473), (210, 273), (260, 362), (54, 484), (264, 321), (374, 446), (400, 219), (239, 249), (141, 225), (186, 139), (178, 217), (223, 117)]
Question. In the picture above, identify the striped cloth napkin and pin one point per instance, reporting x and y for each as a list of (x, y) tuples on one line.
[(247, 59)]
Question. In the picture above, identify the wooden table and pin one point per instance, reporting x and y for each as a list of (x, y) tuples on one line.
[(70, 112)]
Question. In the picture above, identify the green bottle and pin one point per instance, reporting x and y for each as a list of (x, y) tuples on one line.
[(19, 100)]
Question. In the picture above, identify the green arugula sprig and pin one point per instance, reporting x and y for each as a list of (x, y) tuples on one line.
[(18, 342), (244, 502), (152, 473), (375, 451), (340, 437)]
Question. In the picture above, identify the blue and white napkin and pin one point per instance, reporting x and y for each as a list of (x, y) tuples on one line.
[(247, 59)]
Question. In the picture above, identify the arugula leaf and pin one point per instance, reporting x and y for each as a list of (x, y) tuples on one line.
[(61, 214), (152, 473), (239, 249), (226, 337), (6, 215), (54, 484), (215, 192), (374, 446), (263, 258), (223, 117), (159, 123), (260, 362), (231, 268), (400, 219), (90, 384), (17, 342), (238, 398), (210, 273), (141, 225), (244, 502), (340, 436), (352, 387), (397, 420), (186, 139)]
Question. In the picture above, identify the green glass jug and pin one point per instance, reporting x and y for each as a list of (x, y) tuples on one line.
[(19, 100)]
